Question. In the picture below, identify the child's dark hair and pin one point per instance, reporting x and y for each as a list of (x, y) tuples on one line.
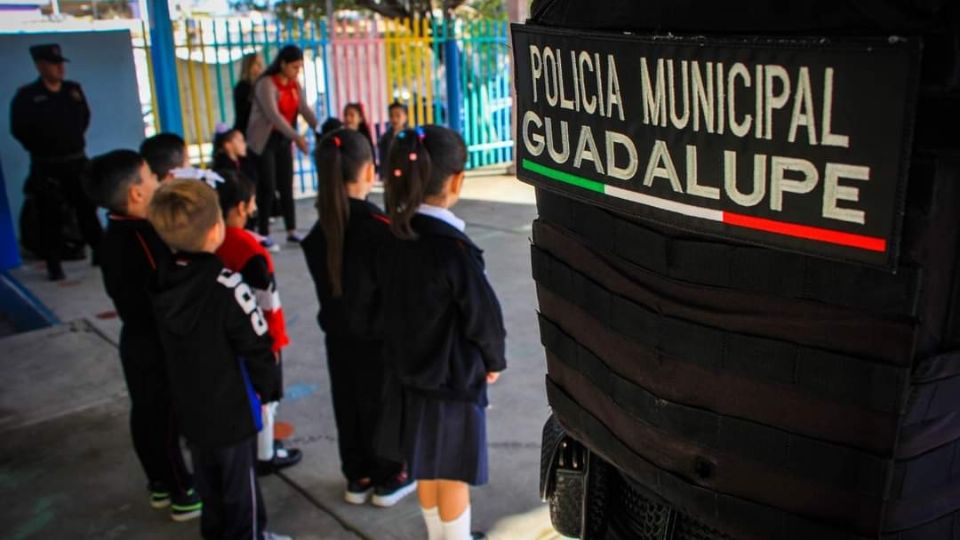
[(364, 127), (108, 177), (397, 105), (340, 157), (420, 161), (163, 152), (330, 125), (234, 189), (221, 139)]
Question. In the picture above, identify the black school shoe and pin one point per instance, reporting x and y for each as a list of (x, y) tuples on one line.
[(390, 492), (358, 491), (282, 459)]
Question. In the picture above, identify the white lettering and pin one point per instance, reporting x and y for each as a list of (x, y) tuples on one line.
[(833, 191), (780, 184)]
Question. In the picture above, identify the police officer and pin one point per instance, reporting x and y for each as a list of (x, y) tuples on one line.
[(49, 117)]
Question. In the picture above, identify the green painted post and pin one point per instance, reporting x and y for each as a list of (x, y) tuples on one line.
[(218, 69)]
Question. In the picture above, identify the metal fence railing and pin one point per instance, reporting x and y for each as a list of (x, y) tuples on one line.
[(367, 59)]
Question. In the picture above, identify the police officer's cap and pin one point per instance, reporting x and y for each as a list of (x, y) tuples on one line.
[(48, 51)]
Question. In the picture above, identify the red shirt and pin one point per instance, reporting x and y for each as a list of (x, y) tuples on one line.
[(289, 98), (242, 253)]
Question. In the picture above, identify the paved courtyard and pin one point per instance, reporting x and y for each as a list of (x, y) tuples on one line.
[(67, 469)]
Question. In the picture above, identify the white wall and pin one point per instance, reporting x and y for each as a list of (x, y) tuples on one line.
[(102, 62)]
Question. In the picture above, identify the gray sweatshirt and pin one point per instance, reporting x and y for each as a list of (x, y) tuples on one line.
[(265, 115)]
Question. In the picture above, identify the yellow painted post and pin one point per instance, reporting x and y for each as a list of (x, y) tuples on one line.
[(207, 97), (154, 106), (182, 87), (404, 59), (194, 102), (415, 57), (427, 49)]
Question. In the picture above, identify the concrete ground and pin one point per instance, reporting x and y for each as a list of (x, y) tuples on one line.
[(67, 469)]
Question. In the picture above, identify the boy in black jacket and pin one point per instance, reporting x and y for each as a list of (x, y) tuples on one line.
[(219, 358), (130, 253)]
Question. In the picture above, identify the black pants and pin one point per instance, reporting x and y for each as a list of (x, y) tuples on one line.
[(356, 382), (275, 173), (156, 437), (232, 505), (58, 190)]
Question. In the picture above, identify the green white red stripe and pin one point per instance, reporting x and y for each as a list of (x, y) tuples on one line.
[(781, 228)]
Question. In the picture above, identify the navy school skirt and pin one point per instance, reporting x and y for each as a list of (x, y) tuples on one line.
[(445, 440), (438, 439)]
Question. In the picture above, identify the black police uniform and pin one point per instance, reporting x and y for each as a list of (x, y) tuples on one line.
[(50, 126)]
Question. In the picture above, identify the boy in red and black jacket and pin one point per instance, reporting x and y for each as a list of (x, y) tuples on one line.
[(130, 254), (242, 252)]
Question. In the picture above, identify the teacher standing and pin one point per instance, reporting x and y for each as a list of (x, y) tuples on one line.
[(278, 100)]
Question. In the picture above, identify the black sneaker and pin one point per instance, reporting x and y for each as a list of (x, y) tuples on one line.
[(358, 491), (159, 495), (282, 458), (186, 506), (390, 492), (294, 238)]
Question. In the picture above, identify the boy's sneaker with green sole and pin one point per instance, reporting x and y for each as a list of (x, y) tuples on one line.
[(186, 506), (159, 495)]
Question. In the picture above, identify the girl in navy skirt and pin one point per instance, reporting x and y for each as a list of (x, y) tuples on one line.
[(341, 251), (443, 330)]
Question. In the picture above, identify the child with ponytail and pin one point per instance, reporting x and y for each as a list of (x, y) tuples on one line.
[(341, 250), (444, 334)]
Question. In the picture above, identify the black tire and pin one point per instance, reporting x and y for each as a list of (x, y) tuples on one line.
[(566, 504)]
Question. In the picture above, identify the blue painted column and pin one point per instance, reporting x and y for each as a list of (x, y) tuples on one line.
[(451, 54), (9, 251), (164, 58)]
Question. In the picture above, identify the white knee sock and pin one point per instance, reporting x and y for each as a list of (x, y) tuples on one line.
[(265, 437), (458, 529), (431, 516)]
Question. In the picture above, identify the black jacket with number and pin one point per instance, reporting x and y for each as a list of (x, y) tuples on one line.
[(217, 348), (357, 313), (443, 328), (50, 124), (130, 254)]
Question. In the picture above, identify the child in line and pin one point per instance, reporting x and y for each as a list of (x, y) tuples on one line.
[(130, 253), (230, 154), (241, 252), (444, 333), (165, 152), (355, 119), (398, 122), (167, 155), (218, 356), (341, 254)]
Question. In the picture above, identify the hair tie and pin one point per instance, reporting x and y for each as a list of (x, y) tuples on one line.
[(336, 141), (421, 134), (412, 156), (397, 172)]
